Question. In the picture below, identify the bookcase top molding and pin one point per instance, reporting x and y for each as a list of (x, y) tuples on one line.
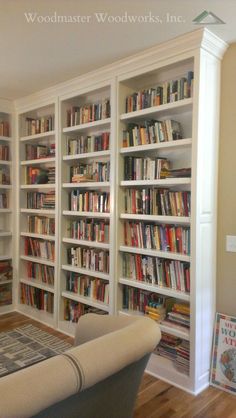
[(175, 49)]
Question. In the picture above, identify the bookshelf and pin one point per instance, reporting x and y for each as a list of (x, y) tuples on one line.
[(166, 226), (87, 201), (7, 270), (38, 208), (137, 251)]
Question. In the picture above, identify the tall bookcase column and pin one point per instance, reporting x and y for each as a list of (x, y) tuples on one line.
[(38, 211), (87, 203), (168, 114), (7, 204)]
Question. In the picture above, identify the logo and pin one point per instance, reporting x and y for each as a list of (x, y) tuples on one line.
[(207, 18)]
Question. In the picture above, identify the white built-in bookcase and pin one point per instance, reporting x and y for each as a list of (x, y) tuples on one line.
[(7, 219), (200, 52)]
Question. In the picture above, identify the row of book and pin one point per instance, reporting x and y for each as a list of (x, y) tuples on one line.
[(35, 152), (40, 248), (173, 274), (38, 200), (4, 152), (3, 200), (38, 175), (137, 300), (89, 201), (6, 271), (144, 168), (175, 349), (157, 237), (86, 144), (5, 294), (40, 272), (89, 259), (78, 115), (4, 175), (41, 225), (74, 310), (168, 92), (178, 316), (35, 126), (151, 132), (37, 298), (4, 128), (95, 171), (89, 230), (93, 288), (156, 201)]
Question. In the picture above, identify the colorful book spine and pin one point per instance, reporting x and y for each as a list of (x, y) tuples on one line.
[(40, 248), (86, 144), (93, 288), (41, 225), (89, 230), (74, 310), (37, 298), (39, 125), (89, 201), (77, 115), (38, 200), (40, 272), (89, 259)]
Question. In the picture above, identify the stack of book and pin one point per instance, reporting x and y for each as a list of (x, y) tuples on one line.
[(155, 310), (5, 271), (168, 92), (179, 316), (157, 202), (78, 115), (89, 230), (38, 200), (74, 310), (34, 152), (151, 132), (41, 225), (166, 173), (40, 272), (4, 152), (40, 248), (96, 171), (157, 237), (4, 175), (144, 168), (39, 125), (176, 350), (89, 201), (4, 128), (3, 200), (37, 298), (51, 175), (89, 259), (93, 288), (82, 144)]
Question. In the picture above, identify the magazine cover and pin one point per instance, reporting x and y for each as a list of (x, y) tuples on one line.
[(223, 372)]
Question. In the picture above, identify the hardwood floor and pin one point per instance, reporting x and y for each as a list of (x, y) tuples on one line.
[(156, 399)]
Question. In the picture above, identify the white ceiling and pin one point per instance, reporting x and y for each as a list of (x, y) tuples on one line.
[(35, 55)]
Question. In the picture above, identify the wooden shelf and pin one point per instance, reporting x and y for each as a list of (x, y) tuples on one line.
[(162, 182), (155, 253), (166, 109), (39, 285), (92, 273), (86, 214), (165, 291), (185, 220), (37, 136), (37, 186), (159, 146), (37, 260), (39, 211), (97, 154), (104, 123), (40, 236), (85, 300), (4, 162), (38, 161), (5, 138), (85, 243), (87, 185)]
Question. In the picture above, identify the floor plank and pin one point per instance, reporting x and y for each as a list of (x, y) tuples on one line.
[(156, 399)]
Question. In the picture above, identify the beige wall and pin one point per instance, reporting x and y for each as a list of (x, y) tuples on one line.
[(226, 262)]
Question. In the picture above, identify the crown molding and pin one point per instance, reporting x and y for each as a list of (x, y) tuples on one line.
[(185, 45)]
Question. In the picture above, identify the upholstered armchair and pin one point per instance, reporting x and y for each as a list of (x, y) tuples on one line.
[(98, 378)]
